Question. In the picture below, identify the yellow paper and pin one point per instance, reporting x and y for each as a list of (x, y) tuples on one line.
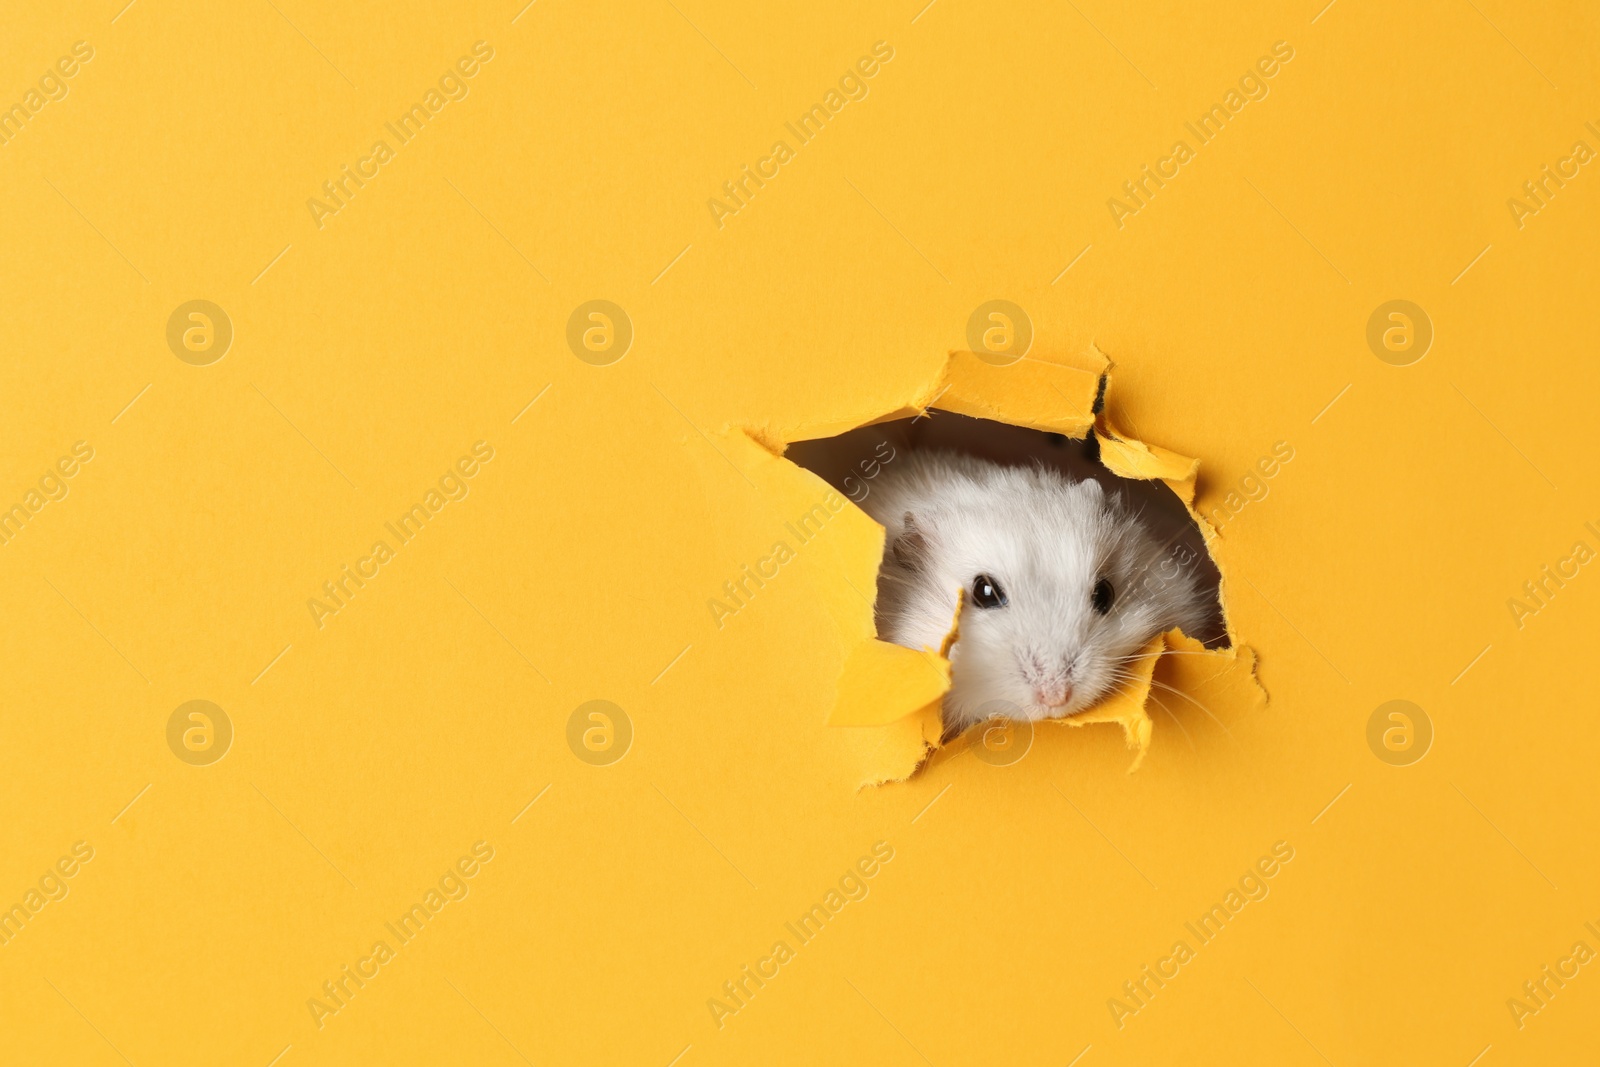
[(552, 345)]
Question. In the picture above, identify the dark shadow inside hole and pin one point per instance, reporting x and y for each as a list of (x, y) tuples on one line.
[(851, 461)]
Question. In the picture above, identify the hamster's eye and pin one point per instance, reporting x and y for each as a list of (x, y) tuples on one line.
[(986, 592), (1103, 596)]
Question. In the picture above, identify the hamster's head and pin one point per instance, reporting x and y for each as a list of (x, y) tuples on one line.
[(1061, 588)]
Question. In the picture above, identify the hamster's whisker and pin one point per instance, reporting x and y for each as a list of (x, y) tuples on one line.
[(1167, 652), (1176, 721), (1196, 703), (1120, 675)]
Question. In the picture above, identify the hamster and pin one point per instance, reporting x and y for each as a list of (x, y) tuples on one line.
[(1063, 584)]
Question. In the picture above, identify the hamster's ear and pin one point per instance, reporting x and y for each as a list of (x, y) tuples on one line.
[(1091, 490), (910, 546)]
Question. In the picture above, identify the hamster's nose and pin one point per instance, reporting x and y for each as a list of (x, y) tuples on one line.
[(1054, 695)]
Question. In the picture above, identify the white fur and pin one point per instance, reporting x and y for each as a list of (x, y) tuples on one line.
[(1047, 541)]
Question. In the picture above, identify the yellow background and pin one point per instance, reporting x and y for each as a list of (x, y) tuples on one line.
[(371, 353)]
